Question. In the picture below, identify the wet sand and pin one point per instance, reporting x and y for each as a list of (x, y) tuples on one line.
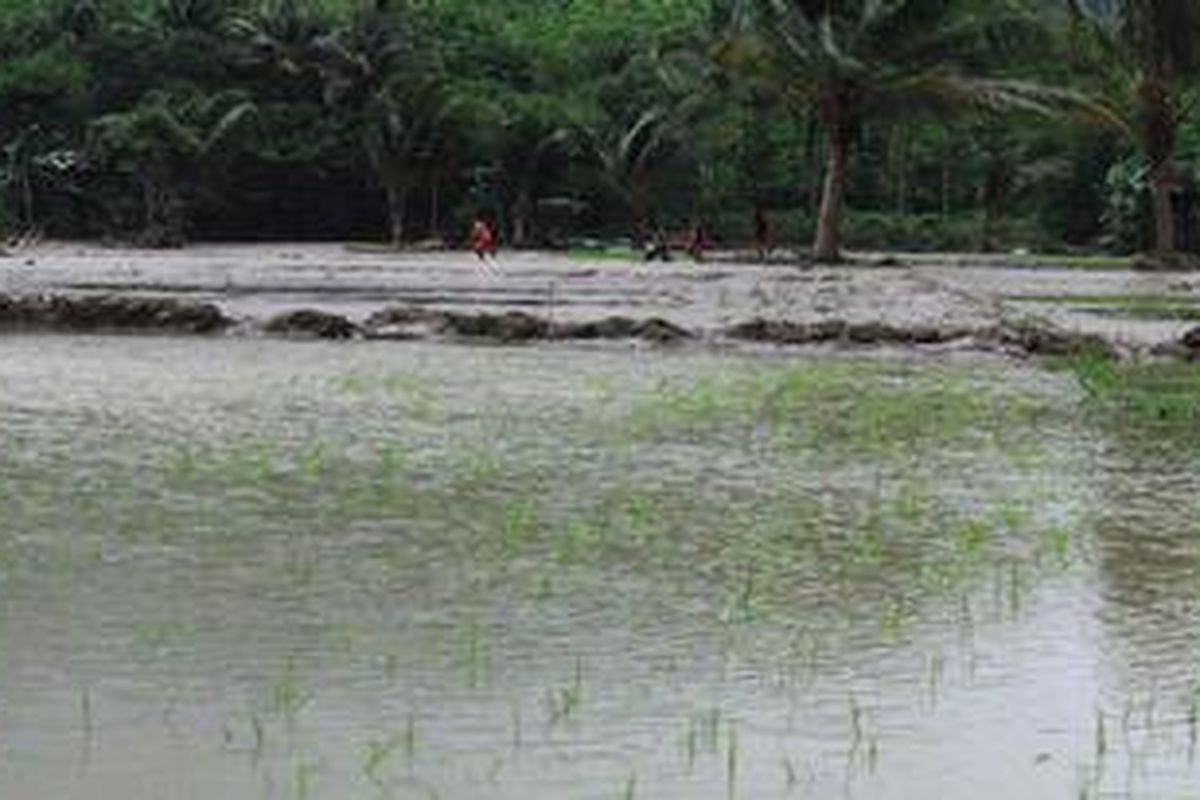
[(255, 282)]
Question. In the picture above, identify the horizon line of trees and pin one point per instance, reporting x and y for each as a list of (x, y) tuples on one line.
[(928, 124)]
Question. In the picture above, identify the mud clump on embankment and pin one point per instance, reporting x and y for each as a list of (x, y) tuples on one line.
[(1186, 348), (115, 313), (1016, 338), (109, 313), (836, 330), (515, 326), (311, 324)]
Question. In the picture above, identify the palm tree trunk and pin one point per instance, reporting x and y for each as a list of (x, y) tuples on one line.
[(27, 198), (828, 246), (995, 196), (946, 186), (1160, 121), (435, 210), (1162, 185), (898, 156), (521, 218), (813, 157), (397, 201)]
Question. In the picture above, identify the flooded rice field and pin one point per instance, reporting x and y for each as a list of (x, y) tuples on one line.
[(246, 568)]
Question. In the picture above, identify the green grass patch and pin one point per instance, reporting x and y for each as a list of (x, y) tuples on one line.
[(1084, 262), (604, 254), (1132, 306), (1164, 396), (1147, 300), (847, 407), (1180, 313)]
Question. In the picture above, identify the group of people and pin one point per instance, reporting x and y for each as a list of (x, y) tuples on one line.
[(656, 247)]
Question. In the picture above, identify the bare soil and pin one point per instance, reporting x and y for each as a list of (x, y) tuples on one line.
[(929, 302)]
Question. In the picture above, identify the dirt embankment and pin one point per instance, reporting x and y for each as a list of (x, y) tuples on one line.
[(113, 313), (335, 292), (110, 313)]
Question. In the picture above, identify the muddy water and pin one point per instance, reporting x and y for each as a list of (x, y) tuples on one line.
[(253, 569)]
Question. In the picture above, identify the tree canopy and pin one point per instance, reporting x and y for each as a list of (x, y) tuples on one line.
[(948, 124)]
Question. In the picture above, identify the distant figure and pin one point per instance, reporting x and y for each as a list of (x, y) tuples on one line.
[(657, 248), (697, 242), (483, 241), (762, 234)]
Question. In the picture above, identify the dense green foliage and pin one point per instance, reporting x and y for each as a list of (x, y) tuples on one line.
[(959, 124)]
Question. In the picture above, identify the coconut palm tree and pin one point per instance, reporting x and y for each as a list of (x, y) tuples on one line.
[(1139, 52), (280, 36), (164, 143), (529, 138), (380, 73), (851, 61), (633, 150), (404, 128)]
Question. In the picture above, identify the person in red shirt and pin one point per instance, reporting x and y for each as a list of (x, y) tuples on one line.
[(483, 241)]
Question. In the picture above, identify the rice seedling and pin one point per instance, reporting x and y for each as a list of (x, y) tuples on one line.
[(302, 779), (159, 637), (314, 462), (353, 383), (732, 756), (376, 756), (580, 542), (790, 776), (475, 656), (563, 702), (936, 674), (391, 462), (288, 697), (1163, 397), (708, 729), (1015, 588), (1056, 543), (183, 466), (893, 619), (409, 740), (857, 733), (517, 727), (521, 520), (690, 741), (87, 719), (259, 734), (1191, 720), (973, 536)]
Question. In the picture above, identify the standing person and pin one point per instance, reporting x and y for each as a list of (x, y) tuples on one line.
[(483, 243), (762, 234), (657, 248), (697, 241)]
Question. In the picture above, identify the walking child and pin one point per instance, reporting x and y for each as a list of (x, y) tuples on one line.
[(483, 243)]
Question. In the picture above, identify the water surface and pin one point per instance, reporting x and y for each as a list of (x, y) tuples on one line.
[(261, 569)]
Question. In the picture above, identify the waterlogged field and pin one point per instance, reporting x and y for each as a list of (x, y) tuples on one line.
[(251, 569)]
